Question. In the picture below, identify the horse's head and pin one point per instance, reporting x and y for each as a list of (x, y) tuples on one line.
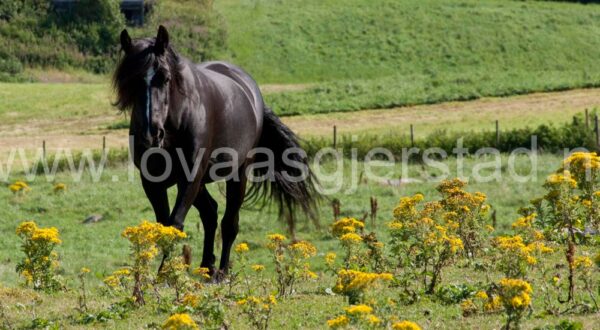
[(144, 82)]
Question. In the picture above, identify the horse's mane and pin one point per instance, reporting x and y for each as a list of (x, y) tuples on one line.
[(127, 80)]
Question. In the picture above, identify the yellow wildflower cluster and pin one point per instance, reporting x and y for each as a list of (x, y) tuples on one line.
[(30, 230), (119, 279), (330, 259), (60, 187), (258, 268), (482, 302), (303, 249), (407, 207), (146, 239), (360, 316), (290, 262), (346, 226), (583, 166), (338, 322), (405, 325), (353, 283), (203, 272), (180, 322), (40, 262), (426, 238), (582, 262), (191, 300), (515, 255), (258, 309), (241, 248), (525, 221), (350, 238), (19, 187), (515, 293), (147, 236)]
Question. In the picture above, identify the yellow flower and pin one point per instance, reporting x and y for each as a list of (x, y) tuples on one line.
[(241, 248), (258, 268), (517, 302), (356, 281), (49, 235), (330, 259), (373, 320), (359, 309), (202, 271), (405, 325), (482, 295), (351, 238), (84, 270), (525, 222), (26, 227), (304, 248), (338, 322), (276, 238), (19, 186), (582, 262), (60, 187), (27, 275), (180, 322), (191, 300), (468, 307), (345, 226)]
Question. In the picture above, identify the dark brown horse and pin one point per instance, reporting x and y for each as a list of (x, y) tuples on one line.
[(193, 124)]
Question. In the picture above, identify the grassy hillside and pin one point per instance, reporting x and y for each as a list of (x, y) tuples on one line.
[(359, 54), (325, 40), (378, 54)]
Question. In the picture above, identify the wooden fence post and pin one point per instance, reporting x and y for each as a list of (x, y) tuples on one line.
[(587, 119), (497, 134), (412, 136), (334, 137), (597, 131)]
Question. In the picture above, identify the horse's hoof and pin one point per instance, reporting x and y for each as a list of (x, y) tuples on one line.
[(220, 276)]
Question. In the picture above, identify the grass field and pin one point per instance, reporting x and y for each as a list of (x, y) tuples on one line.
[(364, 55), (101, 248)]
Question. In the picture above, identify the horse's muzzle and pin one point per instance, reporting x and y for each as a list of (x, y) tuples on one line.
[(155, 141)]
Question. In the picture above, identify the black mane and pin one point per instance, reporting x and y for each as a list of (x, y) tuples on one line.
[(128, 78)]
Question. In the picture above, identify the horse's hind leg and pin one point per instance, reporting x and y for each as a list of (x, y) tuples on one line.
[(236, 191), (207, 207)]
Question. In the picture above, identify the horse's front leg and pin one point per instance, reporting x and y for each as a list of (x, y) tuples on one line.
[(157, 195), (188, 186)]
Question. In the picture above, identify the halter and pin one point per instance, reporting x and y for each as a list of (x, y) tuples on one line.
[(149, 75)]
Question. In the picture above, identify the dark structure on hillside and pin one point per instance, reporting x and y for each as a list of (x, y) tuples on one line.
[(133, 10)]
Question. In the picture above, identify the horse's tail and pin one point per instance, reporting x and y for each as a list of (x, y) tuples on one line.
[(287, 178)]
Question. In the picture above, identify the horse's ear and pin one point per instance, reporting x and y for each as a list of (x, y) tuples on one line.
[(125, 41), (162, 40)]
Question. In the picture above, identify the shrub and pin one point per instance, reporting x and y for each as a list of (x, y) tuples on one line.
[(291, 263), (40, 263), (146, 239)]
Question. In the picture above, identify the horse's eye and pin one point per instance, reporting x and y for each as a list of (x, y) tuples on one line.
[(160, 79)]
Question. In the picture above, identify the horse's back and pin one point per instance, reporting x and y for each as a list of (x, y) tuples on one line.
[(247, 84), (240, 118)]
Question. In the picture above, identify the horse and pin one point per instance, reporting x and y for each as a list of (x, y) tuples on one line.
[(192, 124)]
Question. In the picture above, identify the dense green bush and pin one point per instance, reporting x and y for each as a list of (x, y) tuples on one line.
[(32, 34)]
